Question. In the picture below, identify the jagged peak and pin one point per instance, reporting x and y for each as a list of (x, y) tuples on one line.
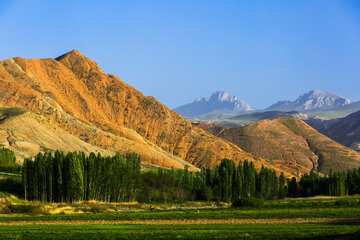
[(309, 100), (319, 93), (219, 96)]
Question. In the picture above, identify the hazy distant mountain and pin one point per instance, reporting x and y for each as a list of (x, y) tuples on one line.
[(255, 116), (311, 101), (219, 102), (244, 119)]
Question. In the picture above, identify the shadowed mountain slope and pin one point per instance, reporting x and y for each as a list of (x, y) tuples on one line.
[(343, 130), (100, 109), (290, 143)]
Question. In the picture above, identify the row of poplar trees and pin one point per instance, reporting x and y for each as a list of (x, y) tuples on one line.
[(226, 182), (334, 184), (75, 177)]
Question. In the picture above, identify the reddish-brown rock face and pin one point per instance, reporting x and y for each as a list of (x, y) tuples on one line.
[(100, 109)]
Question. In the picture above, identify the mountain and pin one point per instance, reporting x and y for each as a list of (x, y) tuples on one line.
[(342, 130), (311, 101), (290, 143), (220, 102), (72, 94)]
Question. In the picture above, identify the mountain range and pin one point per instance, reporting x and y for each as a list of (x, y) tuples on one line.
[(219, 102), (326, 112), (69, 103), (222, 105)]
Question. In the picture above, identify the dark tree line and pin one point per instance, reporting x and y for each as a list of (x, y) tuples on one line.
[(334, 184), (225, 182), (75, 177)]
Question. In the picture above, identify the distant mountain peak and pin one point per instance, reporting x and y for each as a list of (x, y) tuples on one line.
[(222, 96), (319, 94), (219, 102), (311, 100)]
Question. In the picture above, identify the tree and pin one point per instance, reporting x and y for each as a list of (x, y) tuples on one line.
[(239, 183), (293, 188), (227, 175), (282, 187)]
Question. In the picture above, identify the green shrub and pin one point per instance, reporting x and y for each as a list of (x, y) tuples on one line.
[(98, 208), (5, 209), (27, 209)]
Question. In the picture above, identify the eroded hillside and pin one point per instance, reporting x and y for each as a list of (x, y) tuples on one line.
[(100, 109)]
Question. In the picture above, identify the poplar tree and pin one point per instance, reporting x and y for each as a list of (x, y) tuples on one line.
[(282, 187), (239, 183)]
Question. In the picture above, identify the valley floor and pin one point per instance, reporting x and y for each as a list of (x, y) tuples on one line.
[(208, 231), (312, 218)]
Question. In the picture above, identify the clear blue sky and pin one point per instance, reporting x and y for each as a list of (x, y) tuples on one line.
[(176, 51)]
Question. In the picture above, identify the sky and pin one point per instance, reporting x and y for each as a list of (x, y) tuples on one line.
[(176, 51)]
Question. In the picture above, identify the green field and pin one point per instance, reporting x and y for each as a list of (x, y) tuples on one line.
[(312, 218), (214, 231)]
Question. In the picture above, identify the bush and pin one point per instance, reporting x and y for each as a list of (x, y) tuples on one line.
[(98, 208), (248, 202), (5, 209), (26, 209)]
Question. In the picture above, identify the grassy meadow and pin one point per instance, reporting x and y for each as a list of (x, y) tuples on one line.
[(303, 218)]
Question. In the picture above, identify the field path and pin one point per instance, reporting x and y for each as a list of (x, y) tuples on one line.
[(186, 222)]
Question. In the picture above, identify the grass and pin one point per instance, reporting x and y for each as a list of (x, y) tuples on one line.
[(216, 231), (192, 214), (129, 221)]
